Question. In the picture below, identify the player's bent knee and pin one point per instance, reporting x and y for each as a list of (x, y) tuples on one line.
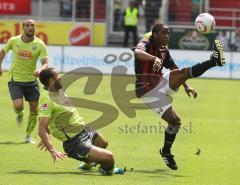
[(100, 142), (33, 110), (105, 144), (18, 107), (178, 125), (184, 72), (176, 122), (108, 158)]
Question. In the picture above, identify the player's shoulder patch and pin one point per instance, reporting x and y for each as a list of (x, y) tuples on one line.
[(44, 106), (142, 44)]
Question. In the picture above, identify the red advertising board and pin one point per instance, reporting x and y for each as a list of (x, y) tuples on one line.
[(15, 7)]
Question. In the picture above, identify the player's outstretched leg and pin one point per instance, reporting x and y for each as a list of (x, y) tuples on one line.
[(216, 59), (179, 76)]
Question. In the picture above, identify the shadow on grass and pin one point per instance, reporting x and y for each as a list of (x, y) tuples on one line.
[(160, 173), (11, 143), (163, 172), (31, 172)]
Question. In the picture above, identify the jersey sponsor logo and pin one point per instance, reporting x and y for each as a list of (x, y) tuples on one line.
[(25, 54), (34, 47), (141, 46), (44, 106)]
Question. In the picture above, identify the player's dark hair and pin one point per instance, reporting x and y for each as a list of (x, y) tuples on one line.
[(45, 75), (156, 28)]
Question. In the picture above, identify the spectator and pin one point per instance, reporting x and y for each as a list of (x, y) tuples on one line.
[(117, 13), (83, 9), (130, 23), (151, 12), (195, 9), (65, 9), (237, 40), (224, 40)]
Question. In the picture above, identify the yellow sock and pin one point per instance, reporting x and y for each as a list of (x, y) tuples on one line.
[(32, 120)]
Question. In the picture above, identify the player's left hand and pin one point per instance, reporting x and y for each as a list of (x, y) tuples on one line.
[(157, 64), (57, 155), (36, 73), (189, 90)]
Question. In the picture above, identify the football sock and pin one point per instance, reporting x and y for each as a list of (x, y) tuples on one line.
[(170, 135), (198, 69), (87, 165), (32, 120)]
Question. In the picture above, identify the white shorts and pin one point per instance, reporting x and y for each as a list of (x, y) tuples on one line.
[(159, 99)]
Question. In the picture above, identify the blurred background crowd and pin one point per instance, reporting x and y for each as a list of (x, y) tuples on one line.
[(125, 22)]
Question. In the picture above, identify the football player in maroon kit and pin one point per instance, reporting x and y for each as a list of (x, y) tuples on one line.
[(156, 88)]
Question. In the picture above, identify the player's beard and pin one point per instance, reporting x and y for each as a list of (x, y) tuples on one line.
[(30, 35)]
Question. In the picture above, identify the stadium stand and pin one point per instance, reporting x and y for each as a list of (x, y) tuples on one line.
[(227, 13)]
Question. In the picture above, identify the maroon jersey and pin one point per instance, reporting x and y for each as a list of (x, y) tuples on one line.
[(147, 79)]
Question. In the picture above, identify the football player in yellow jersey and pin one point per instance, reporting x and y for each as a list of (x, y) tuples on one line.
[(59, 117), (26, 49)]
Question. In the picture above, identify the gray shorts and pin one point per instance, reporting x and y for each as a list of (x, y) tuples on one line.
[(28, 90), (80, 145)]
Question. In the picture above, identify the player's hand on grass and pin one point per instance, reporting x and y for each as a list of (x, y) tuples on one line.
[(189, 90), (157, 64), (57, 155), (41, 146), (36, 73)]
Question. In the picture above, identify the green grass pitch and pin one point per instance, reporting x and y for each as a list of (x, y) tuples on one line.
[(210, 123)]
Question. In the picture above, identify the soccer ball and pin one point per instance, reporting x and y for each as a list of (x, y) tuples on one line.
[(205, 23)]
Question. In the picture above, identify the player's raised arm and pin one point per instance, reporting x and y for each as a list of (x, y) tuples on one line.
[(4, 50), (44, 66), (2, 55), (140, 52), (45, 139), (43, 58), (44, 63), (144, 56)]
